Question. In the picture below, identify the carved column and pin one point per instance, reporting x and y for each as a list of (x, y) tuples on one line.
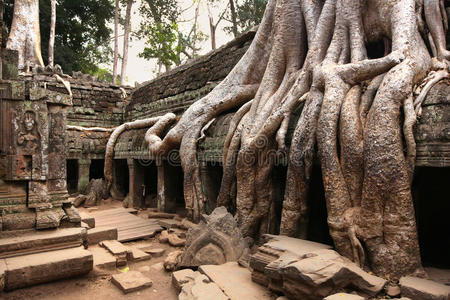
[(83, 173), (136, 187), (161, 194)]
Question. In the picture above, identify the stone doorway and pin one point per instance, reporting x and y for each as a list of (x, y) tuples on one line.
[(72, 175)]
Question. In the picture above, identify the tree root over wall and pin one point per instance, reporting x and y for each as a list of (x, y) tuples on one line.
[(313, 53)]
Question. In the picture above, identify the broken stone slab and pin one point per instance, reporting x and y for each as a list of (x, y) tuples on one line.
[(421, 289), (50, 218), (39, 241), (26, 270), (73, 214), (154, 252), (88, 219), (115, 247), (204, 289), (304, 269), (344, 296), (102, 258), (98, 234), (235, 281), (139, 255), (181, 277), (131, 281), (215, 240), (164, 236), (323, 272)]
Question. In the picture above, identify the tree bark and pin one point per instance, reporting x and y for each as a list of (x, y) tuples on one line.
[(116, 42), (51, 42), (25, 35), (126, 40), (233, 18)]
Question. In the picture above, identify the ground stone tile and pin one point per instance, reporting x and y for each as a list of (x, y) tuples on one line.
[(131, 281)]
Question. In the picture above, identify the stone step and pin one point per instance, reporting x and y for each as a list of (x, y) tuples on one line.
[(115, 247), (131, 281), (27, 270), (98, 234), (40, 241)]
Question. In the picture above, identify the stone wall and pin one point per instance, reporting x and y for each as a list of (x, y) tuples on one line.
[(176, 90)]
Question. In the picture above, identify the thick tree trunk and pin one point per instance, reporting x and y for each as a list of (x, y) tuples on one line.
[(126, 40), (51, 42), (116, 42), (314, 52), (25, 35)]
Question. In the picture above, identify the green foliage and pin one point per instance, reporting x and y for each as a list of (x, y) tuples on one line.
[(82, 34), (249, 13), (163, 38)]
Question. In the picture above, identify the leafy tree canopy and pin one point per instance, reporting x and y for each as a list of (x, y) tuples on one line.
[(82, 34), (249, 13)]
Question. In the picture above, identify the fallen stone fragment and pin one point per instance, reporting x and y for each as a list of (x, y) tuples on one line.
[(115, 247), (175, 241), (164, 236), (172, 260), (87, 219), (186, 224), (204, 289), (344, 296), (423, 289), (131, 281), (96, 235), (169, 223), (139, 255), (235, 281), (181, 277), (154, 252)]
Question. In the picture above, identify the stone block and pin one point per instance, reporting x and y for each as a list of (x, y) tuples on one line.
[(87, 219), (181, 277), (102, 258), (139, 255), (131, 281), (96, 235), (154, 252), (23, 271), (115, 247), (423, 289)]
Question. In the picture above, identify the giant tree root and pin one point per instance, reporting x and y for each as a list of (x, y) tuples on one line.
[(314, 52)]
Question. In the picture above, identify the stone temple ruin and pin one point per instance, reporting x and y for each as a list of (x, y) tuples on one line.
[(54, 134)]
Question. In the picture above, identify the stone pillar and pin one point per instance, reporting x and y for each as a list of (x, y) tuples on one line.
[(161, 194), (83, 173), (136, 184)]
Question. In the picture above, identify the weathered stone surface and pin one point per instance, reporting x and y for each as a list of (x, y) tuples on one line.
[(154, 252), (344, 296), (235, 281), (164, 236), (103, 258), (308, 270), (98, 234), (172, 260), (49, 218), (421, 289), (204, 289), (3, 269), (139, 255), (115, 247), (39, 241), (131, 281), (32, 269), (182, 277), (193, 285), (392, 290), (215, 240), (90, 220)]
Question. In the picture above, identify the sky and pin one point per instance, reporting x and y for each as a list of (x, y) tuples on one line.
[(140, 69)]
